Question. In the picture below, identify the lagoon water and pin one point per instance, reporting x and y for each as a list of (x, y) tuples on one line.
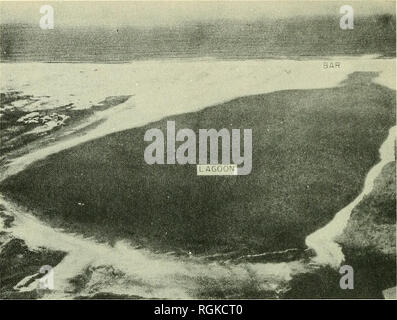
[(159, 88)]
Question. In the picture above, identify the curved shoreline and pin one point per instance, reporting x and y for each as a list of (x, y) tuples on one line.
[(322, 242)]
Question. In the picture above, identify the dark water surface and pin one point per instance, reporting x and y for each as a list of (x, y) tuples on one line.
[(292, 38)]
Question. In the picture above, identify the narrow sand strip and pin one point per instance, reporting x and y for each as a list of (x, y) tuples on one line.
[(323, 240)]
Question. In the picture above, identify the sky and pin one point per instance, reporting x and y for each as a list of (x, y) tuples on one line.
[(150, 13)]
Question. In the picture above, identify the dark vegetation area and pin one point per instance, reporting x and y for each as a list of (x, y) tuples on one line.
[(18, 261), (18, 126)]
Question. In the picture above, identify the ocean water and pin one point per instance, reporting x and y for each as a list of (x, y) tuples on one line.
[(298, 38)]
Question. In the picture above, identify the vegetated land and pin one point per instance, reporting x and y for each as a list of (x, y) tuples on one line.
[(369, 241), (311, 152), (20, 262), (20, 126), (372, 224), (369, 246)]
